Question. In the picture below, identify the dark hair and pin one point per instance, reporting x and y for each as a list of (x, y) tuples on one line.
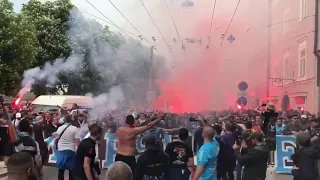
[(95, 129), (248, 125), (24, 126), (67, 118), (130, 119), (183, 134), (229, 127), (259, 139), (218, 129), (19, 162)]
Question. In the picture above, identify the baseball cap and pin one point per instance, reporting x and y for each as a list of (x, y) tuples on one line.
[(18, 115), (255, 135), (150, 142)]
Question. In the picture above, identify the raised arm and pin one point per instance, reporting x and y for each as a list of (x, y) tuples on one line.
[(142, 129)]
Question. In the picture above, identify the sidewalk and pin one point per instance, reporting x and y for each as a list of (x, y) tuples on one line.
[(3, 169)]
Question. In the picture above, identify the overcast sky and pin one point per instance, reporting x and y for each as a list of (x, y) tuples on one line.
[(191, 22)]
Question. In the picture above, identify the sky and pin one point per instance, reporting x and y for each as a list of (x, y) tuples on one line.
[(186, 19), (247, 27)]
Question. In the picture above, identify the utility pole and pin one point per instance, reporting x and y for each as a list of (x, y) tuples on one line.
[(151, 68), (150, 93), (268, 49)]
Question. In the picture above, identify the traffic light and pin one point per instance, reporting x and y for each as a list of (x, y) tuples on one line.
[(242, 94)]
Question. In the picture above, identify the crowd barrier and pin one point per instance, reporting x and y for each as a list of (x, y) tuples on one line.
[(107, 150), (285, 148)]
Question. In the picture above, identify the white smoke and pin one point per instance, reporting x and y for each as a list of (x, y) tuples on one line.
[(119, 61), (49, 72), (107, 102)]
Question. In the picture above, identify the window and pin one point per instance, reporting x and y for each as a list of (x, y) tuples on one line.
[(286, 65), (286, 68), (303, 9), (302, 59), (286, 21)]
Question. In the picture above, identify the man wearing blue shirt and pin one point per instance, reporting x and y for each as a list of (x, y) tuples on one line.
[(207, 157)]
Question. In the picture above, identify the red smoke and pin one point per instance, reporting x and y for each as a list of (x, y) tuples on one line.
[(205, 79)]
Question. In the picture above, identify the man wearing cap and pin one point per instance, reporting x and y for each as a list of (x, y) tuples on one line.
[(152, 164), (17, 120), (255, 161), (304, 159)]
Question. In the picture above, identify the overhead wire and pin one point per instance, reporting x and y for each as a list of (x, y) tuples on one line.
[(214, 7), (155, 24), (289, 20), (230, 22), (174, 24), (108, 22), (281, 22), (130, 22), (113, 23), (298, 36)]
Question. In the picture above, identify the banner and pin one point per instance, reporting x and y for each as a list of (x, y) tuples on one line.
[(285, 148), (107, 150)]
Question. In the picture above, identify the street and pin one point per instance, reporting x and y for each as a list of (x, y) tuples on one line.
[(51, 173)]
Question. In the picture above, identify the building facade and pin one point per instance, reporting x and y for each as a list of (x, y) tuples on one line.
[(293, 64)]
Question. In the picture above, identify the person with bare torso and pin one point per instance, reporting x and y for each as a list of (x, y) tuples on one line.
[(127, 135)]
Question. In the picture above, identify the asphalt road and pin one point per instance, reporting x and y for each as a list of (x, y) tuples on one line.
[(51, 173)]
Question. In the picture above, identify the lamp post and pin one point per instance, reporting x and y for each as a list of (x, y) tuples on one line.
[(188, 40)]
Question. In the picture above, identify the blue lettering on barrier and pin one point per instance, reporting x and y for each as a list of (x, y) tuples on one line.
[(111, 147), (285, 148)]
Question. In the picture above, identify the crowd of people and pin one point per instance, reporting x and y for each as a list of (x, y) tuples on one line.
[(223, 142)]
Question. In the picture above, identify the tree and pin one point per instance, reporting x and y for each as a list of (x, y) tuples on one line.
[(17, 47), (51, 22)]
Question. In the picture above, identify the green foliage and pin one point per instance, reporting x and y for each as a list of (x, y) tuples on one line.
[(17, 47), (51, 22), (43, 32)]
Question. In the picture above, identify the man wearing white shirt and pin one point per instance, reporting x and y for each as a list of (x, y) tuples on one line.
[(68, 138)]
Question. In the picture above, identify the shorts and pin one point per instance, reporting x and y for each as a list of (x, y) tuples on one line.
[(129, 160), (66, 159)]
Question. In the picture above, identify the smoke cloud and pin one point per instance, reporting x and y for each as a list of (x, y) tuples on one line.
[(49, 72), (121, 63)]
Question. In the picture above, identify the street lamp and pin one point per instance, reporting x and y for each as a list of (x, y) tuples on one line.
[(187, 3), (188, 40)]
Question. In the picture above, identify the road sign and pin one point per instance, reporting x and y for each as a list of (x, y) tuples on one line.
[(231, 38), (242, 101), (243, 86)]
